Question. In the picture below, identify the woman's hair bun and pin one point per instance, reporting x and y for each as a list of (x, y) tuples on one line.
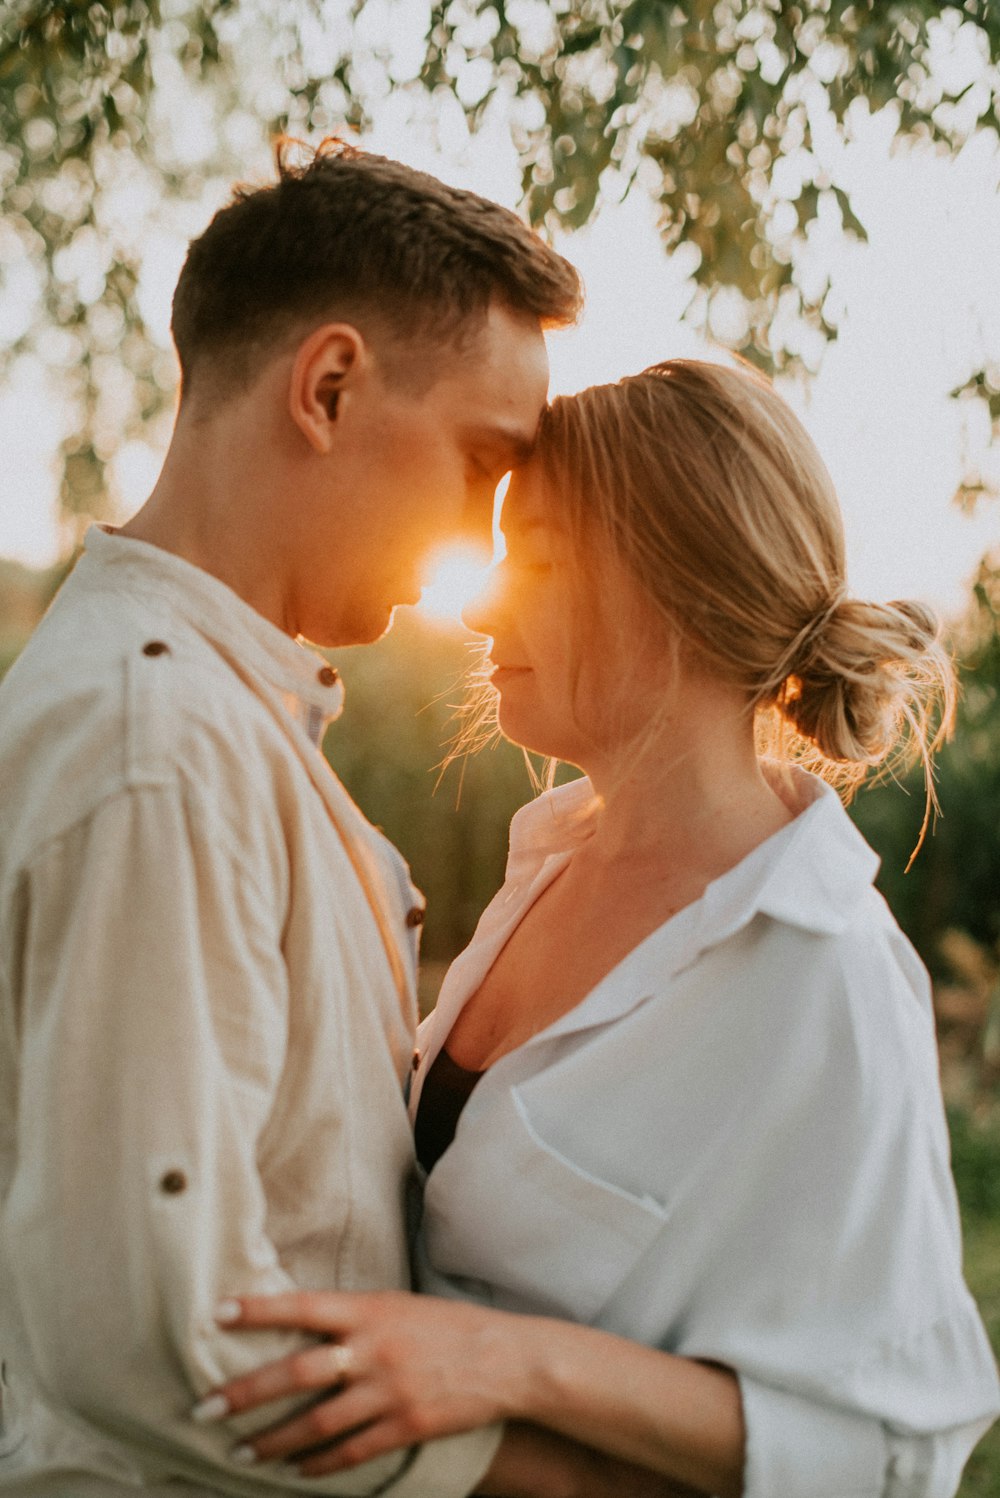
[(925, 624), (865, 677)]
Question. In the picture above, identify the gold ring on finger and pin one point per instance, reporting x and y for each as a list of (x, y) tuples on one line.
[(342, 1361)]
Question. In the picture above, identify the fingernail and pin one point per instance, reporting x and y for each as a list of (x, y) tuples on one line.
[(227, 1311), (243, 1456), (213, 1407)]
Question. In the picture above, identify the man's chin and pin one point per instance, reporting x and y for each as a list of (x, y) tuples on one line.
[(357, 629), (374, 628)]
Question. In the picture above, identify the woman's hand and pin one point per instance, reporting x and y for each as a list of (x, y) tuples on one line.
[(397, 1370), (394, 1370)]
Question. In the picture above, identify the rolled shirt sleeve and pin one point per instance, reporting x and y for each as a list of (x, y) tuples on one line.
[(829, 1440), (814, 1451), (152, 1029), (797, 1445)]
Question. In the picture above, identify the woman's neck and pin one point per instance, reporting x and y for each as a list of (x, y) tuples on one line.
[(692, 795)]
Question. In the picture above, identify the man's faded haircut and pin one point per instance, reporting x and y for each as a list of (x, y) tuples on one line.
[(344, 235)]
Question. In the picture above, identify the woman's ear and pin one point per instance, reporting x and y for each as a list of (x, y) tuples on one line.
[(326, 366)]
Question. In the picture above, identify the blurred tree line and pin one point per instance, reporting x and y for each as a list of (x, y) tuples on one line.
[(958, 883), (949, 902), (402, 711)]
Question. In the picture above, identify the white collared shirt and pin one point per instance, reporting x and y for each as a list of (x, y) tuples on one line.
[(207, 964), (734, 1149)]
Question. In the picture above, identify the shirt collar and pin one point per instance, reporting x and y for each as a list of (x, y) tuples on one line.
[(557, 821), (810, 874), (312, 689)]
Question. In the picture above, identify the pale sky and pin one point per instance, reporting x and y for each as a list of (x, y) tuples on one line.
[(919, 307)]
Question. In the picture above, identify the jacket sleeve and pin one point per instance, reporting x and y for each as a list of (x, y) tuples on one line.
[(151, 1026)]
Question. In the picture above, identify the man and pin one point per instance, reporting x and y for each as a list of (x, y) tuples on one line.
[(206, 954)]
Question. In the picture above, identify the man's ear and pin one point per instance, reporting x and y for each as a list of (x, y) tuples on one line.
[(327, 365)]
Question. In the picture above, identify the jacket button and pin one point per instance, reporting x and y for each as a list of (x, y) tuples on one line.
[(156, 647), (173, 1182), (415, 917), (328, 676)]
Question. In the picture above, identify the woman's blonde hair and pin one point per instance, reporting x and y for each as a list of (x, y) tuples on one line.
[(703, 484)]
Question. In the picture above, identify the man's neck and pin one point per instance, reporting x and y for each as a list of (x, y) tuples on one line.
[(197, 512)]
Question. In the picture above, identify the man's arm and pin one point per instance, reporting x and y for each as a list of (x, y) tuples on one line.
[(152, 1025), (536, 1463)]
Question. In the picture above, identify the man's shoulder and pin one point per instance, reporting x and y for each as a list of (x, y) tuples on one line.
[(115, 691)]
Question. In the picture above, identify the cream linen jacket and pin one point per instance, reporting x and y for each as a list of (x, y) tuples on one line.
[(734, 1148), (207, 963)]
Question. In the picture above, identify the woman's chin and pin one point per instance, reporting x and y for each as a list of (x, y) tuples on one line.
[(524, 730)]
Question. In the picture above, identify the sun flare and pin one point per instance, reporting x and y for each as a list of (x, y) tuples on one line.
[(455, 576)]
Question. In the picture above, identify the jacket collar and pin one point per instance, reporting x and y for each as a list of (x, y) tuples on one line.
[(314, 693)]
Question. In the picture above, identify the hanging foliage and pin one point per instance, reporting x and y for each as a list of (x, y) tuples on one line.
[(713, 107)]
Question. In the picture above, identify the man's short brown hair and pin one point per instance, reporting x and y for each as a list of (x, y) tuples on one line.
[(351, 236)]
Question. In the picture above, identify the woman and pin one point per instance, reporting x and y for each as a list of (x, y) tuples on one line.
[(681, 1089)]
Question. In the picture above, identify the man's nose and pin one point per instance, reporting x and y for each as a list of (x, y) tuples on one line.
[(473, 618), (476, 614)]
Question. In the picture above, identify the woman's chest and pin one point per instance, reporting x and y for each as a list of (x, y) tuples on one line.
[(575, 933), (572, 1155)]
